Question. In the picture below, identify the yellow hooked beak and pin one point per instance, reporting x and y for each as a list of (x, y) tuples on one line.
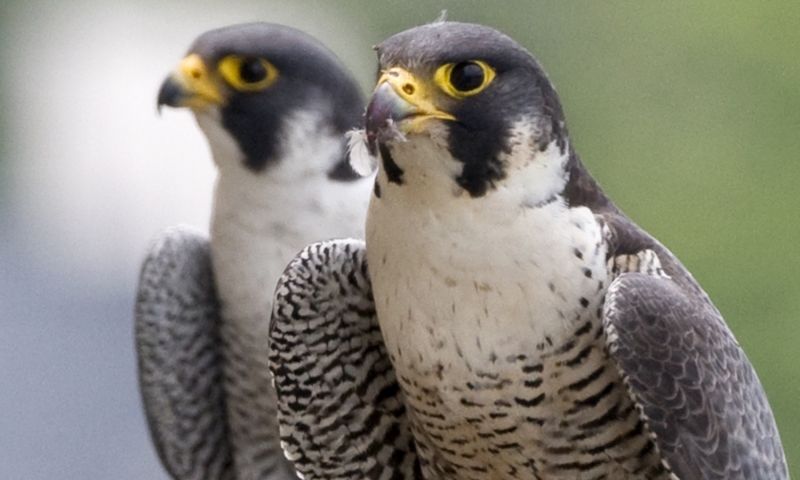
[(190, 85)]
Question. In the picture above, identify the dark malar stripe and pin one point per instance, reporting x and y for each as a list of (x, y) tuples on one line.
[(393, 171)]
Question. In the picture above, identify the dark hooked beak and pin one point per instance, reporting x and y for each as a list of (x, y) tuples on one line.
[(400, 105), (190, 85), (385, 111)]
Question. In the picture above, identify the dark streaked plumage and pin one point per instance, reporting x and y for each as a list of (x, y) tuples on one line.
[(341, 410), (536, 331), (274, 105), (686, 369), (180, 362)]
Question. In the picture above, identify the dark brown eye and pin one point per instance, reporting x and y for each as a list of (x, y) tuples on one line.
[(252, 70), (466, 76)]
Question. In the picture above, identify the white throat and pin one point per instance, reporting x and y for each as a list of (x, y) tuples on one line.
[(533, 177), (260, 220), (446, 266)]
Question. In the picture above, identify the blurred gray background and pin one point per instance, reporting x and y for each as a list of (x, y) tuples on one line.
[(688, 113)]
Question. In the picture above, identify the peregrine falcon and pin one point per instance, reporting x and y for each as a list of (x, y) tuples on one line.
[(275, 105), (534, 330)]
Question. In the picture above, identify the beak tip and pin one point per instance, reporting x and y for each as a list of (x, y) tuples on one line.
[(385, 112), (382, 107), (171, 94)]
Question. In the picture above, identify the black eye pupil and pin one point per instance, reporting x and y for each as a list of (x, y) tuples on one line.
[(466, 76), (251, 71)]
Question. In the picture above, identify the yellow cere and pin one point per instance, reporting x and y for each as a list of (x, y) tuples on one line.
[(420, 101), (192, 75), (248, 74)]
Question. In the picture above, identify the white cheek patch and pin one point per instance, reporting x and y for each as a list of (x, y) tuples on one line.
[(536, 177), (427, 163), (308, 145)]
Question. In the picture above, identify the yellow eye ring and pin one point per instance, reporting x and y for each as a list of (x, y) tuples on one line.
[(248, 74), (464, 79)]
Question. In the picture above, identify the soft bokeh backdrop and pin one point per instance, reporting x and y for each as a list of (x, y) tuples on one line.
[(687, 112)]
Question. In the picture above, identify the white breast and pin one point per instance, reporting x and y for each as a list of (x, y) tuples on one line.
[(466, 286), (450, 268), (477, 281)]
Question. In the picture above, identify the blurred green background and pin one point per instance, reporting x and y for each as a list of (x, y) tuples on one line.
[(688, 113)]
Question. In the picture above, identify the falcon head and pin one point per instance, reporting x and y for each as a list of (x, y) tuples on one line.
[(474, 92), (255, 88)]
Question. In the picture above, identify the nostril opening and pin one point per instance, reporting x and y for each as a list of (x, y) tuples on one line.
[(408, 88)]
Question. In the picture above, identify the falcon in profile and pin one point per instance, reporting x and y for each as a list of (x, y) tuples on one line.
[(274, 105), (535, 332)]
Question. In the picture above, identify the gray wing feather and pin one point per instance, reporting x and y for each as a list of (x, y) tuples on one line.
[(178, 346), (341, 411), (693, 382)]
